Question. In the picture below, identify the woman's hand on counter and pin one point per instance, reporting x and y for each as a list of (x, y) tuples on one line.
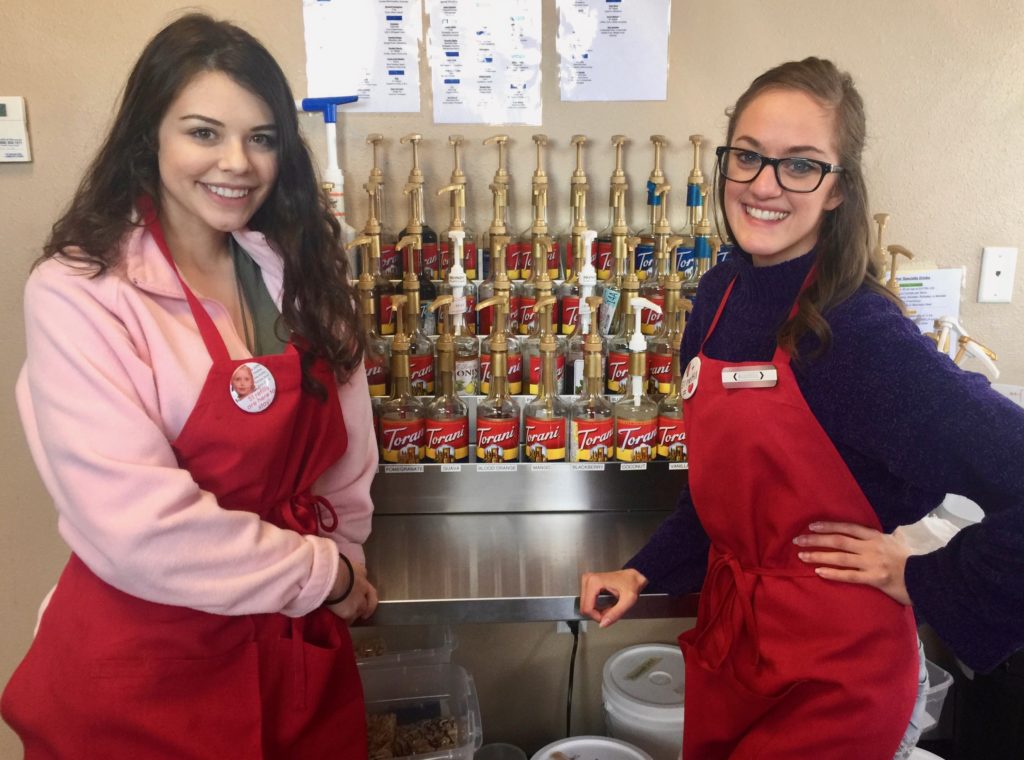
[(624, 585), (362, 600), (858, 554)]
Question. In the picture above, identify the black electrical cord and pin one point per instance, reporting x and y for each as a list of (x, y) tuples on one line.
[(574, 628)]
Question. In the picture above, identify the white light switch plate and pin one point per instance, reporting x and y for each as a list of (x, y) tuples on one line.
[(998, 265)]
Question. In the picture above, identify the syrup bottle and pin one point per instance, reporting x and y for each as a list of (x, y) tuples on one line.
[(620, 345), (455, 276), (497, 416), (644, 253), (592, 426), (636, 415), (458, 217), (447, 425), (545, 416), (376, 357), (572, 241), (385, 258), (499, 294), (532, 344), (671, 430), (617, 192), (421, 359), (402, 416)]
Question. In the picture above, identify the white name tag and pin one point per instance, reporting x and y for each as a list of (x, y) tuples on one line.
[(760, 376)]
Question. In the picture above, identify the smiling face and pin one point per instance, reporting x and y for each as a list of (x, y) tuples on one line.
[(242, 381), (217, 157), (771, 224)]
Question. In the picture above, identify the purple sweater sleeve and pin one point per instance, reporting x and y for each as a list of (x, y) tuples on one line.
[(909, 424)]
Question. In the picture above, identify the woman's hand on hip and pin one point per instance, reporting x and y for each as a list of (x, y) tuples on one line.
[(361, 601), (624, 585), (853, 553)]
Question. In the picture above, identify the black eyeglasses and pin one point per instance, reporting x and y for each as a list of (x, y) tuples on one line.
[(797, 174)]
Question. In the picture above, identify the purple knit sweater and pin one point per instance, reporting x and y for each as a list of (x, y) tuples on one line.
[(910, 425)]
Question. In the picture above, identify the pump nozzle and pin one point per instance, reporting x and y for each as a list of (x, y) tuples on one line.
[(894, 251), (637, 342), (401, 341)]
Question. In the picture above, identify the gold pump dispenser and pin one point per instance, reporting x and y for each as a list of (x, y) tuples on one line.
[(609, 251), (645, 263), (383, 255), (619, 343), (665, 243), (636, 415), (421, 359), (501, 289), (458, 215), (578, 188), (376, 355), (534, 291), (501, 193), (533, 236), (694, 191), (425, 261)]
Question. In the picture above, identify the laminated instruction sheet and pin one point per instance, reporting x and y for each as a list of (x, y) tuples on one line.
[(368, 48), (484, 58), (931, 294), (613, 49)]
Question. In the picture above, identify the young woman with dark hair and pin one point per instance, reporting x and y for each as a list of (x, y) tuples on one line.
[(805, 642), (216, 536)]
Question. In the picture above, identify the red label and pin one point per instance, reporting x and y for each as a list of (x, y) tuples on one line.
[(513, 313), (514, 370), (421, 374), (545, 440), (535, 372), (570, 313), (618, 372), (402, 441), (390, 262), (593, 440), (448, 440), (604, 260), (527, 315), (386, 316), (660, 368), (430, 261), (635, 440), (671, 439), (497, 440), (555, 261), (376, 374), (651, 320), (513, 252)]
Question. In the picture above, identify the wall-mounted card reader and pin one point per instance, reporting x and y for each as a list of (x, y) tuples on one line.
[(13, 130)]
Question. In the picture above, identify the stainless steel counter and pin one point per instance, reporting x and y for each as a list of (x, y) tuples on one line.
[(509, 545)]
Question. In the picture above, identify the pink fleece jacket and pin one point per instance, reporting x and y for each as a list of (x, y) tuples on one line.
[(114, 367)]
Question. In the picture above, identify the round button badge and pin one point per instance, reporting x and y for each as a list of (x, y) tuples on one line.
[(252, 387), (690, 378)]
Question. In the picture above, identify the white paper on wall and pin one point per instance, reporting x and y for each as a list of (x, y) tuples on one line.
[(613, 49), (368, 48), (484, 58), (931, 294)]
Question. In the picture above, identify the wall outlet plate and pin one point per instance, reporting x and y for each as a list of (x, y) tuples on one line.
[(998, 266)]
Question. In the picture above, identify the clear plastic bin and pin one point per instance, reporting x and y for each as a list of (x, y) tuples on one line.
[(939, 682), (396, 646), (427, 693)]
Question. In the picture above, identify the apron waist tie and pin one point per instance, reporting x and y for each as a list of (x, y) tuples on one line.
[(726, 608), (308, 513)]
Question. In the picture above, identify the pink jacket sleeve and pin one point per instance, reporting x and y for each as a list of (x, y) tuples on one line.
[(95, 399)]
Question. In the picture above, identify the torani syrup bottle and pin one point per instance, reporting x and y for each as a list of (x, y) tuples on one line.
[(447, 427), (421, 359), (545, 416), (498, 306), (636, 415), (617, 192), (402, 416), (458, 217), (586, 314), (497, 416), (591, 425), (644, 254), (377, 354)]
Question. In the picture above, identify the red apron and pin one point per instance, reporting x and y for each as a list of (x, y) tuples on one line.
[(110, 675), (781, 663)]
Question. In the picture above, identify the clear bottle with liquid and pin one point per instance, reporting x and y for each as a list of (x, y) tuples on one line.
[(402, 415), (620, 344), (618, 191), (671, 430), (545, 415), (636, 414), (498, 415), (421, 350), (376, 357), (591, 423), (447, 425)]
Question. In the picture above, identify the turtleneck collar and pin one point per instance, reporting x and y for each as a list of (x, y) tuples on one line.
[(774, 279)]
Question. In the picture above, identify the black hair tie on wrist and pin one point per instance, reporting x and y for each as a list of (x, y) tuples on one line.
[(351, 583)]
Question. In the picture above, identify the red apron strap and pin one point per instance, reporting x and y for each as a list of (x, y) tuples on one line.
[(211, 335), (718, 313)]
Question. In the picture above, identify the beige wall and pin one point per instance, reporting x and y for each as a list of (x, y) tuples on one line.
[(945, 100)]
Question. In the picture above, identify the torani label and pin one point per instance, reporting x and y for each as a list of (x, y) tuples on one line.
[(636, 440), (545, 439), (592, 440), (671, 439), (448, 440), (402, 441), (497, 440)]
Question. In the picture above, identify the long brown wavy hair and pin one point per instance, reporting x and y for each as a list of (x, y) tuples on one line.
[(844, 257), (317, 304)]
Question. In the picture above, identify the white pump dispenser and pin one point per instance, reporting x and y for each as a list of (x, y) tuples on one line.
[(638, 344)]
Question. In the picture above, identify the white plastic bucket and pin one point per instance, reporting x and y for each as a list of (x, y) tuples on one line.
[(590, 747), (642, 691), (923, 754)]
